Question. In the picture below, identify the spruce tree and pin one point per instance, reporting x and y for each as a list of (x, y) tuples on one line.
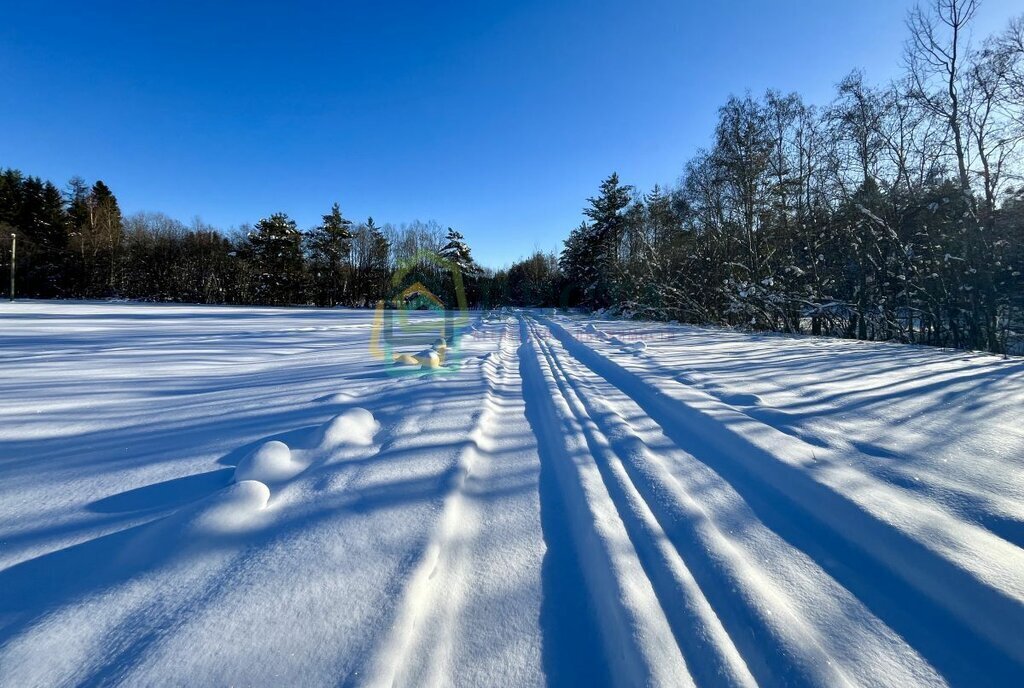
[(577, 265), (330, 245), (458, 255), (34, 209), (380, 260), (274, 251), (605, 238)]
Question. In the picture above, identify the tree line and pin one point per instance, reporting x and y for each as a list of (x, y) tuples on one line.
[(76, 243), (895, 212)]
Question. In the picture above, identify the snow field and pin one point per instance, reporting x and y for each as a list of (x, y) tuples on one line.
[(733, 570), (219, 496), (906, 535)]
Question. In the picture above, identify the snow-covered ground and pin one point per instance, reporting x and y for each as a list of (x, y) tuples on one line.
[(252, 496)]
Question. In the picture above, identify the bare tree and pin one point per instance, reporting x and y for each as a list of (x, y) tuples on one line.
[(935, 54), (992, 116)]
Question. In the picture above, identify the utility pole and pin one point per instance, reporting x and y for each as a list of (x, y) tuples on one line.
[(14, 254)]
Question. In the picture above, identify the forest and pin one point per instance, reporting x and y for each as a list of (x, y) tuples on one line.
[(893, 212)]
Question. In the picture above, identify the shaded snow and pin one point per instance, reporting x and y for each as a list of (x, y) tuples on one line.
[(249, 496)]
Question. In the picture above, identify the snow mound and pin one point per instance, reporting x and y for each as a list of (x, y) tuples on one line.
[(636, 347), (271, 463), (693, 378), (337, 398), (234, 509), (429, 358), (738, 398), (354, 427), (230, 509), (732, 395)]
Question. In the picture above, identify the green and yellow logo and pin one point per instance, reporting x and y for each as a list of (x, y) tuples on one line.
[(415, 327)]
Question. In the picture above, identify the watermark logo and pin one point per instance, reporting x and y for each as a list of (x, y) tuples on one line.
[(415, 327)]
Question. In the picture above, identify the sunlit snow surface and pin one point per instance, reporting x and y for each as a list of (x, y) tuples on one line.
[(252, 496)]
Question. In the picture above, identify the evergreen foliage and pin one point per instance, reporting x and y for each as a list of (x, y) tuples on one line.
[(893, 212)]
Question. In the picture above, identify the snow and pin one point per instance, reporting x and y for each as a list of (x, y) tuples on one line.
[(356, 426), (272, 462), (257, 496)]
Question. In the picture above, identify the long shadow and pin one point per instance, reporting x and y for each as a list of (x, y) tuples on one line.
[(572, 651), (29, 589), (33, 588), (947, 643), (169, 494)]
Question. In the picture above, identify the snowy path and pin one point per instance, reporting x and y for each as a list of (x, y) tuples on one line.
[(226, 496), (760, 519)]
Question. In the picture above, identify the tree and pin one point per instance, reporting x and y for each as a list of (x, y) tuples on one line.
[(534, 281), (34, 209), (330, 245), (96, 234), (605, 236), (578, 265), (456, 253), (274, 252), (935, 56)]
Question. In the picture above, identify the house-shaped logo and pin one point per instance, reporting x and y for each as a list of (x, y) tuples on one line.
[(409, 320)]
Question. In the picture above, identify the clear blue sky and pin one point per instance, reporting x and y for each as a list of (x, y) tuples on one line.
[(498, 118)]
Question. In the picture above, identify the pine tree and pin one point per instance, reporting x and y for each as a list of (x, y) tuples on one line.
[(456, 253), (330, 245), (274, 252), (380, 260), (606, 233), (577, 265)]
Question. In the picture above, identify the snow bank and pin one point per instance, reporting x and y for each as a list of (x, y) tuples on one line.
[(337, 398), (230, 509), (270, 463), (234, 509), (354, 427)]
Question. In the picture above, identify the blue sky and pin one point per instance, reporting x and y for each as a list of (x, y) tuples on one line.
[(498, 118)]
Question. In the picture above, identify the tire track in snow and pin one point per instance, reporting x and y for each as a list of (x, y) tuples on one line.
[(639, 645), (949, 614), (442, 628), (711, 656), (725, 609), (788, 620), (711, 653)]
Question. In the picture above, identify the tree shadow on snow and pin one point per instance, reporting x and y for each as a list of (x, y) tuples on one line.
[(169, 494)]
